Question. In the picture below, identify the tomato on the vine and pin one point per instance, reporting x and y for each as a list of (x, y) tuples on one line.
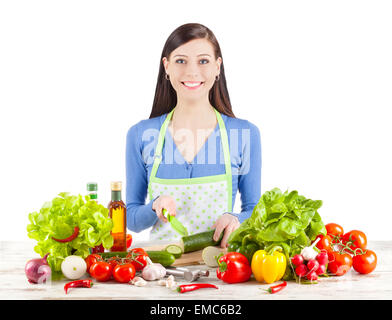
[(91, 259), (324, 243), (113, 261), (355, 239), (339, 263), (101, 271), (365, 262), (124, 272), (334, 230), (138, 257)]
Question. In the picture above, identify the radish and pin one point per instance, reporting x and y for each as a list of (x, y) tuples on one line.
[(301, 270), (322, 258), (310, 253), (312, 265), (312, 276), (297, 260), (321, 269)]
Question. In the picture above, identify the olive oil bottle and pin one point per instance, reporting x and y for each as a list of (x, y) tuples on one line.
[(118, 213)]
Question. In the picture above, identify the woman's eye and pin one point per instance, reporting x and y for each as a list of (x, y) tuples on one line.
[(201, 61)]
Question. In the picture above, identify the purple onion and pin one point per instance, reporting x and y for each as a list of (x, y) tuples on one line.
[(38, 270)]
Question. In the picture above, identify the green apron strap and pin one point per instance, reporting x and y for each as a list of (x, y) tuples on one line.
[(159, 147), (226, 154), (158, 151)]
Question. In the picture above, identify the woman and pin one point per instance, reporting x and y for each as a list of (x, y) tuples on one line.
[(191, 121)]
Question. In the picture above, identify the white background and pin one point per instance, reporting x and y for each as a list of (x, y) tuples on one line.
[(314, 76)]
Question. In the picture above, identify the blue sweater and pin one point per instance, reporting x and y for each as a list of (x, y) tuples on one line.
[(245, 154)]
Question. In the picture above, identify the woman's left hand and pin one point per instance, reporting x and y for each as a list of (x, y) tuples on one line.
[(226, 222)]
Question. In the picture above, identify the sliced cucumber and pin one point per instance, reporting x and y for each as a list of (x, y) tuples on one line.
[(199, 241), (175, 250)]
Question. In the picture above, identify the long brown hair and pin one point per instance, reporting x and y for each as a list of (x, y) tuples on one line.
[(165, 96)]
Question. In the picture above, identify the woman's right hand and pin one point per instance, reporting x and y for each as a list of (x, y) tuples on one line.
[(164, 202)]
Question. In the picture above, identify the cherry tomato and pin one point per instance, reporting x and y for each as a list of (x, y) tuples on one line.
[(138, 257), (91, 259), (365, 263), (358, 239), (324, 243), (339, 263), (101, 271), (124, 272), (129, 240), (334, 230)]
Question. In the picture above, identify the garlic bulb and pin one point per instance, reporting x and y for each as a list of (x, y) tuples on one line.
[(154, 271)]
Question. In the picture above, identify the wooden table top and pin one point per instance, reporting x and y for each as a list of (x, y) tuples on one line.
[(14, 285)]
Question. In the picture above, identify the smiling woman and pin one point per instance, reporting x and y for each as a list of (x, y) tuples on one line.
[(191, 119)]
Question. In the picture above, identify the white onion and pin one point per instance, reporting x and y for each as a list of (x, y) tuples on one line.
[(73, 267)]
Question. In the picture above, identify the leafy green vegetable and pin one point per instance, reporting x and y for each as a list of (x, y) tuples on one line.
[(58, 219), (281, 220)]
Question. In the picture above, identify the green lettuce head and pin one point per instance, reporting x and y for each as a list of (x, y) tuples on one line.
[(58, 219)]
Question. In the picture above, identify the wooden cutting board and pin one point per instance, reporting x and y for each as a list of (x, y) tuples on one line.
[(186, 259)]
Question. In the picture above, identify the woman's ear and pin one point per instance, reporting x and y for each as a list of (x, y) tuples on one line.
[(218, 63), (165, 63)]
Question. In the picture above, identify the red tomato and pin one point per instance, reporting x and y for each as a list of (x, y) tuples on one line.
[(365, 263), (358, 239), (334, 230), (113, 261), (129, 240), (124, 272), (101, 271), (324, 243), (339, 264), (138, 257), (91, 259)]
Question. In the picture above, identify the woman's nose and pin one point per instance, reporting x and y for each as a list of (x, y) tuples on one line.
[(192, 70)]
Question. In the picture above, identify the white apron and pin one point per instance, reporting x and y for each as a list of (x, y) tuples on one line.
[(199, 201)]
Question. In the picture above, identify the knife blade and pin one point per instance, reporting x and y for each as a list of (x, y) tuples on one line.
[(175, 223)]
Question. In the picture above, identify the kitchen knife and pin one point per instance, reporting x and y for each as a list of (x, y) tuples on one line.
[(175, 223)]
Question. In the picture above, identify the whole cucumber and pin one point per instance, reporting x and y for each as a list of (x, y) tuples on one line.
[(199, 241), (107, 255), (163, 257)]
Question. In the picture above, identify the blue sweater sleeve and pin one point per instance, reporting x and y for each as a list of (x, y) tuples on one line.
[(139, 215), (249, 180)]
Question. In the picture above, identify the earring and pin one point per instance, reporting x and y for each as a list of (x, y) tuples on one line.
[(166, 76), (217, 77)]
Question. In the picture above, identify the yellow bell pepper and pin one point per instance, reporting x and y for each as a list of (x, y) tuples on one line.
[(268, 268)]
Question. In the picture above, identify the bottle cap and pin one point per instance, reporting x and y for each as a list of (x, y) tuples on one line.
[(92, 186), (116, 185)]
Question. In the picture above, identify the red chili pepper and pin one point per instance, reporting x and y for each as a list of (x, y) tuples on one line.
[(277, 288), (86, 283), (233, 267), (70, 238), (194, 286)]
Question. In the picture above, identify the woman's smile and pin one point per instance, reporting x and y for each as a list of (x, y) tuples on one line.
[(191, 85)]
